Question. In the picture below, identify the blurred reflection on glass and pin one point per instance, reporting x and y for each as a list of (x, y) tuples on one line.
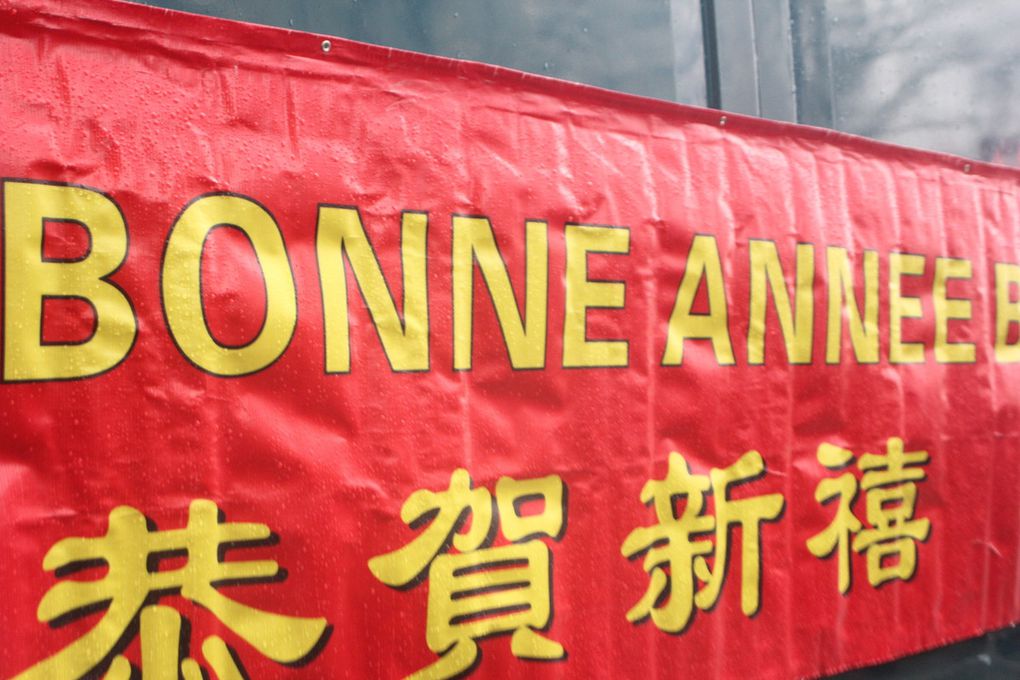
[(935, 74), (616, 44)]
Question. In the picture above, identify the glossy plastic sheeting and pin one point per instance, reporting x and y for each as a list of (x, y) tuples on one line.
[(728, 238)]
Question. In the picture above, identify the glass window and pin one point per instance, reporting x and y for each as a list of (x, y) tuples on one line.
[(651, 48), (937, 74)]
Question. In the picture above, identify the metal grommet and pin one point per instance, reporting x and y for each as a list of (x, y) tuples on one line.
[(326, 46)]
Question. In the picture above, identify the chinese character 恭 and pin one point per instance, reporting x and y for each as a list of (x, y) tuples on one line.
[(127, 550), (480, 590), (679, 547), (890, 541)]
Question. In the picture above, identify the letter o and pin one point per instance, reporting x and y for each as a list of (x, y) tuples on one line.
[(182, 293)]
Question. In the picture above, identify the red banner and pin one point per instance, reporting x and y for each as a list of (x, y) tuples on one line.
[(327, 360)]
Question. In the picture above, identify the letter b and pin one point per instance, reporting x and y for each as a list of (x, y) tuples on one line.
[(30, 278)]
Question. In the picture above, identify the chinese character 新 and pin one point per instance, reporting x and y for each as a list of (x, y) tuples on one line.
[(678, 548), (126, 589), (480, 590)]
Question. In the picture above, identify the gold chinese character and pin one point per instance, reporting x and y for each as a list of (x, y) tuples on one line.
[(126, 550), (480, 590), (678, 547), (890, 542), (845, 523), (891, 497)]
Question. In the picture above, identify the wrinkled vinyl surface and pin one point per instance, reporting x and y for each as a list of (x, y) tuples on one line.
[(155, 109)]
